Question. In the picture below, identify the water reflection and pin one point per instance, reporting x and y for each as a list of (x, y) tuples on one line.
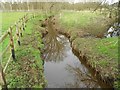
[(68, 72), (82, 79), (54, 44)]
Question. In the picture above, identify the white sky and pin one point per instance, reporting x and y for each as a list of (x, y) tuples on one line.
[(75, 1)]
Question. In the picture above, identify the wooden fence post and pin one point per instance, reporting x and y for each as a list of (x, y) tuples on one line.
[(21, 30), (18, 34), (26, 18), (2, 78), (23, 24), (11, 43)]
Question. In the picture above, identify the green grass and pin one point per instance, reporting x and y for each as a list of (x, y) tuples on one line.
[(27, 70), (87, 21), (99, 49), (105, 46), (12, 17), (77, 19), (9, 18), (101, 53)]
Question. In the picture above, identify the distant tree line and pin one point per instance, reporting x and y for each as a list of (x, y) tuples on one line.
[(28, 6)]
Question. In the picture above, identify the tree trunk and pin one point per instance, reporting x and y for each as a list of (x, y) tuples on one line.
[(10, 6), (119, 12), (28, 5)]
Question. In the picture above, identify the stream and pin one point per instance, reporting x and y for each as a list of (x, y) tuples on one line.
[(66, 70)]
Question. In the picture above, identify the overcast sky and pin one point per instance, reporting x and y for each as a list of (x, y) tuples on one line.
[(108, 1), (75, 1)]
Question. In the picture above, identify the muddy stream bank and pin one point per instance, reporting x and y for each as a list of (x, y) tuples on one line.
[(67, 71), (63, 68)]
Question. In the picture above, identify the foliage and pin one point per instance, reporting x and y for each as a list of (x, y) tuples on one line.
[(46, 6)]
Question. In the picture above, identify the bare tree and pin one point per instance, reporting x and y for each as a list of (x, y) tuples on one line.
[(28, 5), (119, 12)]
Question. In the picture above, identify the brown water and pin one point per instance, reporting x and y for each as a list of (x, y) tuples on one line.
[(65, 70)]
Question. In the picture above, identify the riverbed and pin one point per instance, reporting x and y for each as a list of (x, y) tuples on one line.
[(68, 71)]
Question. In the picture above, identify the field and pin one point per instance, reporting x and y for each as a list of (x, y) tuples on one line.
[(9, 18), (78, 19), (86, 29), (88, 21), (27, 57), (101, 52)]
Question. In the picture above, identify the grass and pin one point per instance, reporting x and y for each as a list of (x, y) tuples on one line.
[(27, 70), (9, 18), (77, 19), (103, 52), (83, 26), (106, 45), (88, 21)]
